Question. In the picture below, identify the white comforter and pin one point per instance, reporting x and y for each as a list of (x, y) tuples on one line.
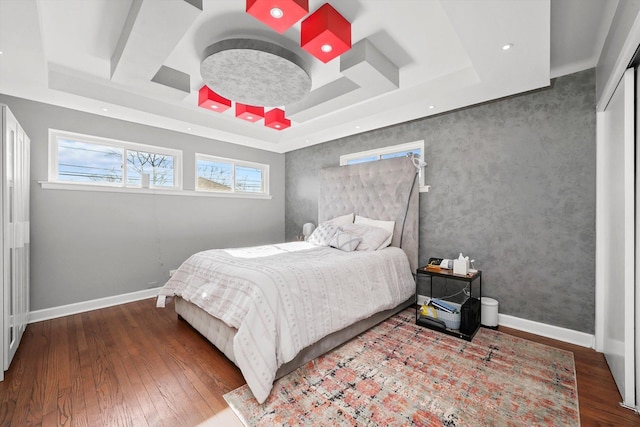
[(283, 298)]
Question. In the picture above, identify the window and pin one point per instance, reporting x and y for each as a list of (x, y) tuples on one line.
[(223, 175), (90, 160), (401, 150)]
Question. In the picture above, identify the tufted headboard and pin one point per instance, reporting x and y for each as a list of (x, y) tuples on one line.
[(378, 190)]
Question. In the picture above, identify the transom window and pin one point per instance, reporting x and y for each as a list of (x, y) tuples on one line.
[(389, 152), (91, 160), (219, 174)]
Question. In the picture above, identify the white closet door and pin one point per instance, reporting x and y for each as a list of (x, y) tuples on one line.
[(637, 247), (14, 236), (12, 291), (616, 235)]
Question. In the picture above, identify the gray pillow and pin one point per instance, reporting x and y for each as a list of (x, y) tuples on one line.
[(372, 237), (345, 241), (322, 235)]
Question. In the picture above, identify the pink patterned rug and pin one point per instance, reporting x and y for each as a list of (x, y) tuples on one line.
[(399, 374)]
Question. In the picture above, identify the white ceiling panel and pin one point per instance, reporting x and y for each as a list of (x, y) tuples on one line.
[(116, 55)]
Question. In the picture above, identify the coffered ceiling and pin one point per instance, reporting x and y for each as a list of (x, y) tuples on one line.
[(139, 60)]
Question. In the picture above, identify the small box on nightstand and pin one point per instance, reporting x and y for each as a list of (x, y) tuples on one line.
[(461, 266)]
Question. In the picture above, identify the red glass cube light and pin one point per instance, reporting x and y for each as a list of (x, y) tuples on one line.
[(278, 14), (212, 101), (326, 34), (249, 113), (275, 119)]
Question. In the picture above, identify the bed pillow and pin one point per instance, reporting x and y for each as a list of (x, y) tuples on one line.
[(372, 237), (386, 225), (322, 235), (345, 241), (341, 220)]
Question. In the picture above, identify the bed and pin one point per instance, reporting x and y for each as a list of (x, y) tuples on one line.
[(272, 308)]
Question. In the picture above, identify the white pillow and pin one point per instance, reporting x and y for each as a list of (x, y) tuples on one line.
[(341, 220), (322, 235), (386, 225), (345, 241), (372, 237)]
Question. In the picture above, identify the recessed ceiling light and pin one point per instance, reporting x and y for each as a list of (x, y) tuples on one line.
[(215, 107), (276, 12), (357, 127), (188, 128), (278, 126), (249, 117), (1, 52), (507, 46), (104, 109), (431, 107), (326, 48)]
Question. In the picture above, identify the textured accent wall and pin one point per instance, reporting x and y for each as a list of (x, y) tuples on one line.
[(512, 185)]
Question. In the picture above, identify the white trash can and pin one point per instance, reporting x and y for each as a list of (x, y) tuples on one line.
[(489, 315)]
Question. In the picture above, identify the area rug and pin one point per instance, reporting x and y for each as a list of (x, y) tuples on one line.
[(398, 374)]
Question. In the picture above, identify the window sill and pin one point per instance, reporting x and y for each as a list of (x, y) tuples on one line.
[(47, 185)]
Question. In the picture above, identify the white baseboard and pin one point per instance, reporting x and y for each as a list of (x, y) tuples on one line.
[(81, 307), (554, 332)]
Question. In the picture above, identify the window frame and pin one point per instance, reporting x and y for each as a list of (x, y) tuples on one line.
[(234, 162), (55, 135), (390, 149)]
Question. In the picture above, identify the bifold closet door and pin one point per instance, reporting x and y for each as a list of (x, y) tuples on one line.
[(15, 231), (615, 224)]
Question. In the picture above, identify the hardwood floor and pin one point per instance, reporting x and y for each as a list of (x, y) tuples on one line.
[(136, 365)]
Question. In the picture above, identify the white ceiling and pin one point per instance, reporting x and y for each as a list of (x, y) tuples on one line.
[(100, 55)]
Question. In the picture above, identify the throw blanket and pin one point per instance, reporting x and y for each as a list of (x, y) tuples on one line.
[(282, 303)]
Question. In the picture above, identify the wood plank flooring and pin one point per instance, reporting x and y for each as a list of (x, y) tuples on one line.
[(136, 365)]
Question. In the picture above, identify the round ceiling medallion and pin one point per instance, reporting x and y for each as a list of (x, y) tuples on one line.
[(255, 72)]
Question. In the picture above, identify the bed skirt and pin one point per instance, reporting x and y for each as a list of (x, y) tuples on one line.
[(221, 335)]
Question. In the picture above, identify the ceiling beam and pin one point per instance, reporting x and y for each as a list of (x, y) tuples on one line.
[(151, 32), (367, 73)]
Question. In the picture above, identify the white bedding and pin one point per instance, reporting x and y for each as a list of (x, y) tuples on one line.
[(284, 302)]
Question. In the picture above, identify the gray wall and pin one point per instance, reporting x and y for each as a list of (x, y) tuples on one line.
[(87, 245), (513, 186)]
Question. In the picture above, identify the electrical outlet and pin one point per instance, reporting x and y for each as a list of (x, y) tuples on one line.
[(152, 285), (172, 272)]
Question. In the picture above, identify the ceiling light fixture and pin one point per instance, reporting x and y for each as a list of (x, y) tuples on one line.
[(250, 113), (275, 119), (325, 28), (278, 14), (507, 46), (255, 72), (211, 100), (431, 107)]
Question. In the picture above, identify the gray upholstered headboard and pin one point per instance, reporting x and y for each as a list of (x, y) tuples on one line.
[(378, 190)]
